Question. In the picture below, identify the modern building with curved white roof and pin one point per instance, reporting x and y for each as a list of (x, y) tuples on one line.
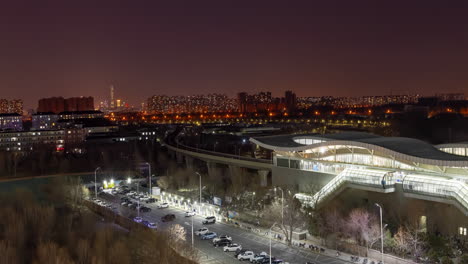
[(371, 163)]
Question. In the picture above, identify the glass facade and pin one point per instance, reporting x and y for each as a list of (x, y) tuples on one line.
[(456, 151), (436, 186)]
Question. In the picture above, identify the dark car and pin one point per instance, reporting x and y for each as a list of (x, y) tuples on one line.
[(168, 218), (133, 206), (265, 260), (151, 200), (222, 243), (124, 199), (145, 223), (145, 209)]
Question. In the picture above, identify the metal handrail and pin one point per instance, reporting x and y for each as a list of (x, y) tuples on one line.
[(219, 154)]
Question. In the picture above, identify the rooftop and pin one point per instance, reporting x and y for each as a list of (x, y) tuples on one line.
[(408, 146)]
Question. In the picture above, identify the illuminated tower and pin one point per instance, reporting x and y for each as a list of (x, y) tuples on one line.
[(112, 96)]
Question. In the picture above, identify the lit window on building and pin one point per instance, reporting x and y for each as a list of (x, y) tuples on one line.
[(462, 231)]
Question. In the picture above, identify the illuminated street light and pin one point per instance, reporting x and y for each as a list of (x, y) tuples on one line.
[(129, 180)]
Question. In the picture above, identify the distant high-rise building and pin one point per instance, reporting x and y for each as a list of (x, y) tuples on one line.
[(242, 99), (4, 105), (11, 106), (59, 104), (16, 106), (112, 104), (290, 101)]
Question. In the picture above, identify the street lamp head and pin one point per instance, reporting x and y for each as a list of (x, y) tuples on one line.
[(129, 180), (378, 205)]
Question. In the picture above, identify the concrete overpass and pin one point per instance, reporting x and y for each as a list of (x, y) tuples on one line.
[(233, 163)]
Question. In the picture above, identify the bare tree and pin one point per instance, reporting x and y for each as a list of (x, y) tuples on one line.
[(362, 227), (409, 239), (51, 253), (294, 215)]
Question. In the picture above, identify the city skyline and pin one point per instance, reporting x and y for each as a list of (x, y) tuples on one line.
[(333, 48)]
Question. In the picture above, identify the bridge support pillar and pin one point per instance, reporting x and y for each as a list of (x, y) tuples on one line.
[(263, 175), (211, 169), (179, 158), (235, 172), (189, 162)]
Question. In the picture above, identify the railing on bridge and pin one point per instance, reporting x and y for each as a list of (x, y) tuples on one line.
[(363, 177), (439, 187), (214, 153)]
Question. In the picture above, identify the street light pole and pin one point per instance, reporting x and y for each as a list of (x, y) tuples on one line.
[(381, 231), (192, 230), (149, 172), (282, 205), (269, 234), (199, 206), (95, 181)]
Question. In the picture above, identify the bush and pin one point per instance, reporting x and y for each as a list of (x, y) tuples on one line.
[(463, 259), (446, 260)]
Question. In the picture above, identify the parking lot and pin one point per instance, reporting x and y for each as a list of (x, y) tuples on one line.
[(210, 254)]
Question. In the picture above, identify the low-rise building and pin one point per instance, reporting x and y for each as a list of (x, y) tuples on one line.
[(71, 115), (11, 121), (27, 140), (44, 121)]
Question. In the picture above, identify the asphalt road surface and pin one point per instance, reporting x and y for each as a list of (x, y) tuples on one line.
[(210, 254)]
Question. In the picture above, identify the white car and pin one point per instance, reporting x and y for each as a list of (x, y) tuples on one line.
[(152, 225), (259, 257), (232, 248), (248, 255), (138, 219), (130, 193), (163, 205), (202, 231), (188, 214), (216, 239), (209, 220)]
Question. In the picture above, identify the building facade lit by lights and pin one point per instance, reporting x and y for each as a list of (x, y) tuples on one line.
[(12, 121), (405, 172)]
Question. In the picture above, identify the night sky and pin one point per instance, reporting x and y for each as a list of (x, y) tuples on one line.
[(338, 48)]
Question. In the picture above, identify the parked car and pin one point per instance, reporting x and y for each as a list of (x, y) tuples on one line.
[(247, 255), (209, 220), (209, 235), (260, 256), (168, 218), (163, 205), (222, 243), (202, 231), (151, 225), (138, 219), (221, 238), (240, 251), (124, 203), (232, 247), (151, 200), (189, 213), (265, 260), (145, 209)]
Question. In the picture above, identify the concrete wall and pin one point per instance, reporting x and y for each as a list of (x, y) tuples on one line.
[(300, 179), (441, 217)]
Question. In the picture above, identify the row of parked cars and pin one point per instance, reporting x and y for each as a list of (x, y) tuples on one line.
[(104, 204), (124, 201), (140, 220), (241, 254)]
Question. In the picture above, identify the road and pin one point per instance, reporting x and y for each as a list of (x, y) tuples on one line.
[(210, 254)]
